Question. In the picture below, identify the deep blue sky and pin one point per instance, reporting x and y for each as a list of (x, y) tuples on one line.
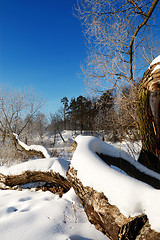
[(41, 47)]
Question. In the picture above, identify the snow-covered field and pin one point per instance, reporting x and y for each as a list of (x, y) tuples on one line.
[(37, 215), (44, 216)]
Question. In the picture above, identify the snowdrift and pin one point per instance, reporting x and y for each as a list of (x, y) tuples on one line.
[(131, 196)]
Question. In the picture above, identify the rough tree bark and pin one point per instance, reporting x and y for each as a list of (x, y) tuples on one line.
[(106, 217), (149, 117), (54, 181), (32, 150), (147, 233)]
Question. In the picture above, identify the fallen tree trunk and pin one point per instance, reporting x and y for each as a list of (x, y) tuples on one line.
[(136, 171), (55, 179), (32, 150), (147, 233), (106, 217)]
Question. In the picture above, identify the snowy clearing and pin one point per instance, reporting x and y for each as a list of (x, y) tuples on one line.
[(43, 215)]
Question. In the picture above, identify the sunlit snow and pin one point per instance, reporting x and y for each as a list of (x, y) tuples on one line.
[(156, 60), (38, 215), (29, 214), (37, 148), (43, 216), (131, 196)]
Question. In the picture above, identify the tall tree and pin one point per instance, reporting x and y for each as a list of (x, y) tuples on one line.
[(72, 112), (81, 111), (105, 112), (65, 105), (117, 34)]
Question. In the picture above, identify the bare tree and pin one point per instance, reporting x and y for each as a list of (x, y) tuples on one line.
[(40, 123), (56, 125), (15, 105), (118, 34)]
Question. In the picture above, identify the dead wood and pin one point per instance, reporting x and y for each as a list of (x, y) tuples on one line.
[(147, 233), (131, 170), (106, 217), (30, 152), (73, 147), (55, 181)]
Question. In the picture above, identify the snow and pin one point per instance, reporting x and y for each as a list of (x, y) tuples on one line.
[(156, 60), (45, 164), (156, 68), (131, 196), (37, 215), (37, 148), (43, 215)]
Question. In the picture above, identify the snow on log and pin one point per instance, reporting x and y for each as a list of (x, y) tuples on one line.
[(133, 169), (36, 176), (37, 150), (52, 172), (116, 203), (106, 217)]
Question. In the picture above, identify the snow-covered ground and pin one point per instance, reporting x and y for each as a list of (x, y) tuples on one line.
[(44, 216), (38, 215)]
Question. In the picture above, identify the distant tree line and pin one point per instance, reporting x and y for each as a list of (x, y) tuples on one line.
[(109, 115), (20, 113), (84, 114)]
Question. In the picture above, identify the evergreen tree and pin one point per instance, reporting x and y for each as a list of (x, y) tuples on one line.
[(65, 103)]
